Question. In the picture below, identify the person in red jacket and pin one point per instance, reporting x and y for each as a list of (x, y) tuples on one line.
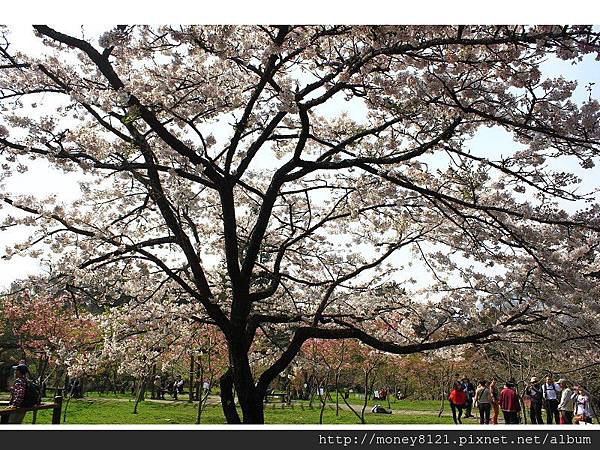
[(458, 399), (509, 403)]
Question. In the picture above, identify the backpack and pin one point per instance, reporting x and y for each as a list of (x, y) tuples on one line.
[(535, 394), (550, 387), (32, 394)]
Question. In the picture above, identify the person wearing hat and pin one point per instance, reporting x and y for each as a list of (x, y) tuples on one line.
[(535, 394), (17, 393), (566, 405)]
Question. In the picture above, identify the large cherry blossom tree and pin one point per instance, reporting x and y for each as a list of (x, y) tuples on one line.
[(283, 179)]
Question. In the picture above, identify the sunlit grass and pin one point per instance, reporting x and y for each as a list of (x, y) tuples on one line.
[(107, 410)]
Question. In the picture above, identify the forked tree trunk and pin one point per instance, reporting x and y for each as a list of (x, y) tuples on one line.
[(368, 389), (239, 377), (250, 400)]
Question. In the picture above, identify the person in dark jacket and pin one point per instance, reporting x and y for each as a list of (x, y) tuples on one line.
[(509, 404), (469, 389), (17, 394)]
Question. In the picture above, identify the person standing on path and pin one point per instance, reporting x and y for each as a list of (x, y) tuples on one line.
[(536, 398), (509, 403), (495, 401), (483, 401), (566, 405), (582, 406), (158, 388), (457, 399), (551, 392), (469, 389)]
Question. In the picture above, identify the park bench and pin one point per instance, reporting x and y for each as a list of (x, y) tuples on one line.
[(282, 396), (56, 408)]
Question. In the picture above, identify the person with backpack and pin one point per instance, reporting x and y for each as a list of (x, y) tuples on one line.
[(551, 393), (23, 394), (483, 401), (457, 399), (536, 398)]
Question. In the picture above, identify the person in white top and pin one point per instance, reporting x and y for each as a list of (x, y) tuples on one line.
[(551, 391), (582, 406), (565, 407)]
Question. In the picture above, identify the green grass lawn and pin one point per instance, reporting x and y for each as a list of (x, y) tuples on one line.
[(414, 405), (107, 410)]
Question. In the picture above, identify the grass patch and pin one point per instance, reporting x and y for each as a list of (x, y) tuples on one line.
[(107, 410)]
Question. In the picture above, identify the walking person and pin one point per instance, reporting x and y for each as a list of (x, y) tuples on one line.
[(483, 401), (551, 392), (566, 405), (495, 401), (536, 397), (509, 403), (457, 399)]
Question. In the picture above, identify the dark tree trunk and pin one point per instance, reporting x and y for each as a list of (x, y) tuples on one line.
[(337, 393), (141, 391), (249, 397), (227, 398), (153, 393), (192, 370)]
